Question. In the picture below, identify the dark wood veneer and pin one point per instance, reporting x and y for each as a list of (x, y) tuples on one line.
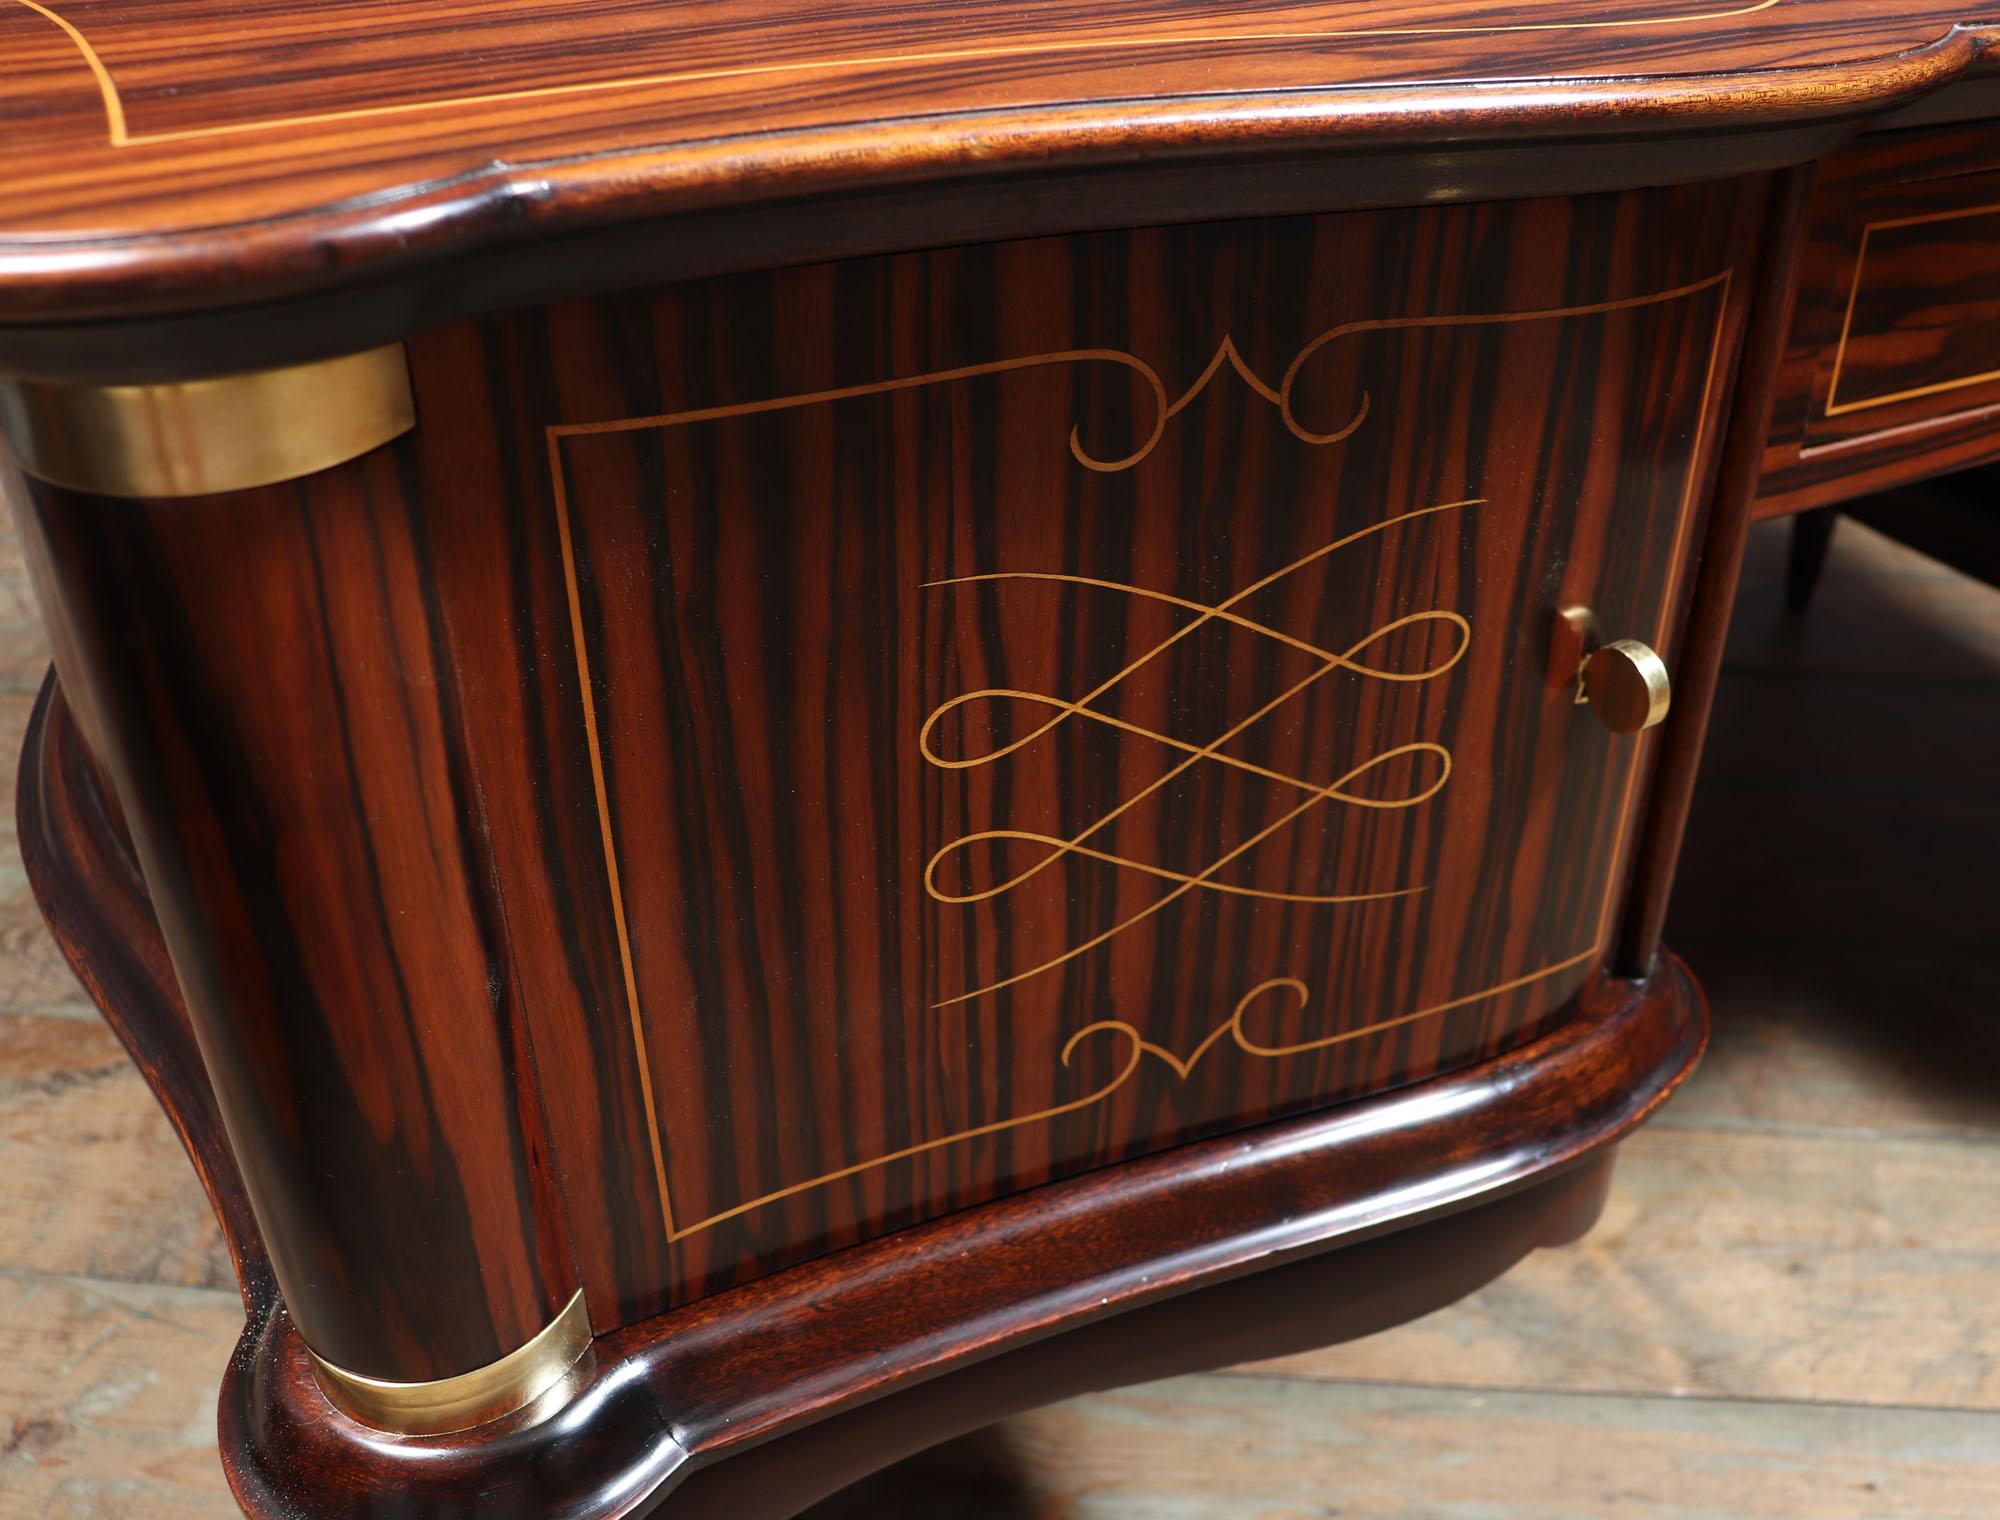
[(151, 166), (508, 267), (790, 763), (1892, 370)]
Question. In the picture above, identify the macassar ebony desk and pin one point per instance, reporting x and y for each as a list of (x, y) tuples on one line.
[(783, 726)]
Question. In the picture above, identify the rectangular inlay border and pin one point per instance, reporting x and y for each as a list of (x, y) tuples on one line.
[(1837, 408), (1278, 396)]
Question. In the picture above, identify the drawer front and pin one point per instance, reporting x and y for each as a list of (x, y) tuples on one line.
[(1892, 371), (1007, 709), (1922, 322)]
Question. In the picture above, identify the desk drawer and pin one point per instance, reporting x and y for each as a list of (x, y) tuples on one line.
[(1922, 326), (1893, 368)]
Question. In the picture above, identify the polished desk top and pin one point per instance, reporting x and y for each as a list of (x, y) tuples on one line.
[(160, 155)]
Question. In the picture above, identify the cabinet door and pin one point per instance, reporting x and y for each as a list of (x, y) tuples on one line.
[(1013, 708)]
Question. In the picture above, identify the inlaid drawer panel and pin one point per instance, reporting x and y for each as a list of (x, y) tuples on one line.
[(1001, 710), (1923, 315), (1892, 371)]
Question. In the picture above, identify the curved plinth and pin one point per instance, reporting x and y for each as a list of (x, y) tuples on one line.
[(756, 1401)]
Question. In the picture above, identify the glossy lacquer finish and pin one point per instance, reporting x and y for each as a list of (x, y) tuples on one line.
[(769, 762), (161, 154)]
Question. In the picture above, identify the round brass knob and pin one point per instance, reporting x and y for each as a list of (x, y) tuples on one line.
[(1626, 685)]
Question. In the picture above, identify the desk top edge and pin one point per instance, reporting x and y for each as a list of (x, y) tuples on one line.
[(142, 178)]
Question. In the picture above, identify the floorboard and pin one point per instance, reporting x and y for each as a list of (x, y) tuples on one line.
[(1265, 1448)]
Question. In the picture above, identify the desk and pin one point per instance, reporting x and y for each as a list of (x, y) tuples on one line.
[(782, 728)]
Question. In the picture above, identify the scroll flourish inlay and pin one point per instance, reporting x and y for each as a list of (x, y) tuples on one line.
[(1315, 794)]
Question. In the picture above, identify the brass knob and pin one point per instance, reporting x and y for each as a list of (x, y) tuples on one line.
[(1626, 685)]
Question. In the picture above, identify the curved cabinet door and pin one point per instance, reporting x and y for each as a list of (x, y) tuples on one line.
[(953, 720)]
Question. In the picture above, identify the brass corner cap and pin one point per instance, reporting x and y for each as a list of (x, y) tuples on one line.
[(196, 437), (499, 1388)]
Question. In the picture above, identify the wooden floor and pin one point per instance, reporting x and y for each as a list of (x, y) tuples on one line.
[(1792, 1308)]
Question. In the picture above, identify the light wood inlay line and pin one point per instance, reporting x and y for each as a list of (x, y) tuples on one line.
[(612, 876), (120, 137), (1183, 1066), (107, 87)]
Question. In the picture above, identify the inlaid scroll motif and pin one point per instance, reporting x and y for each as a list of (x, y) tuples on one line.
[(1304, 798)]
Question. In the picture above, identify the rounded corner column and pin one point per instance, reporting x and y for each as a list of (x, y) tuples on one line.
[(237, 575)]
